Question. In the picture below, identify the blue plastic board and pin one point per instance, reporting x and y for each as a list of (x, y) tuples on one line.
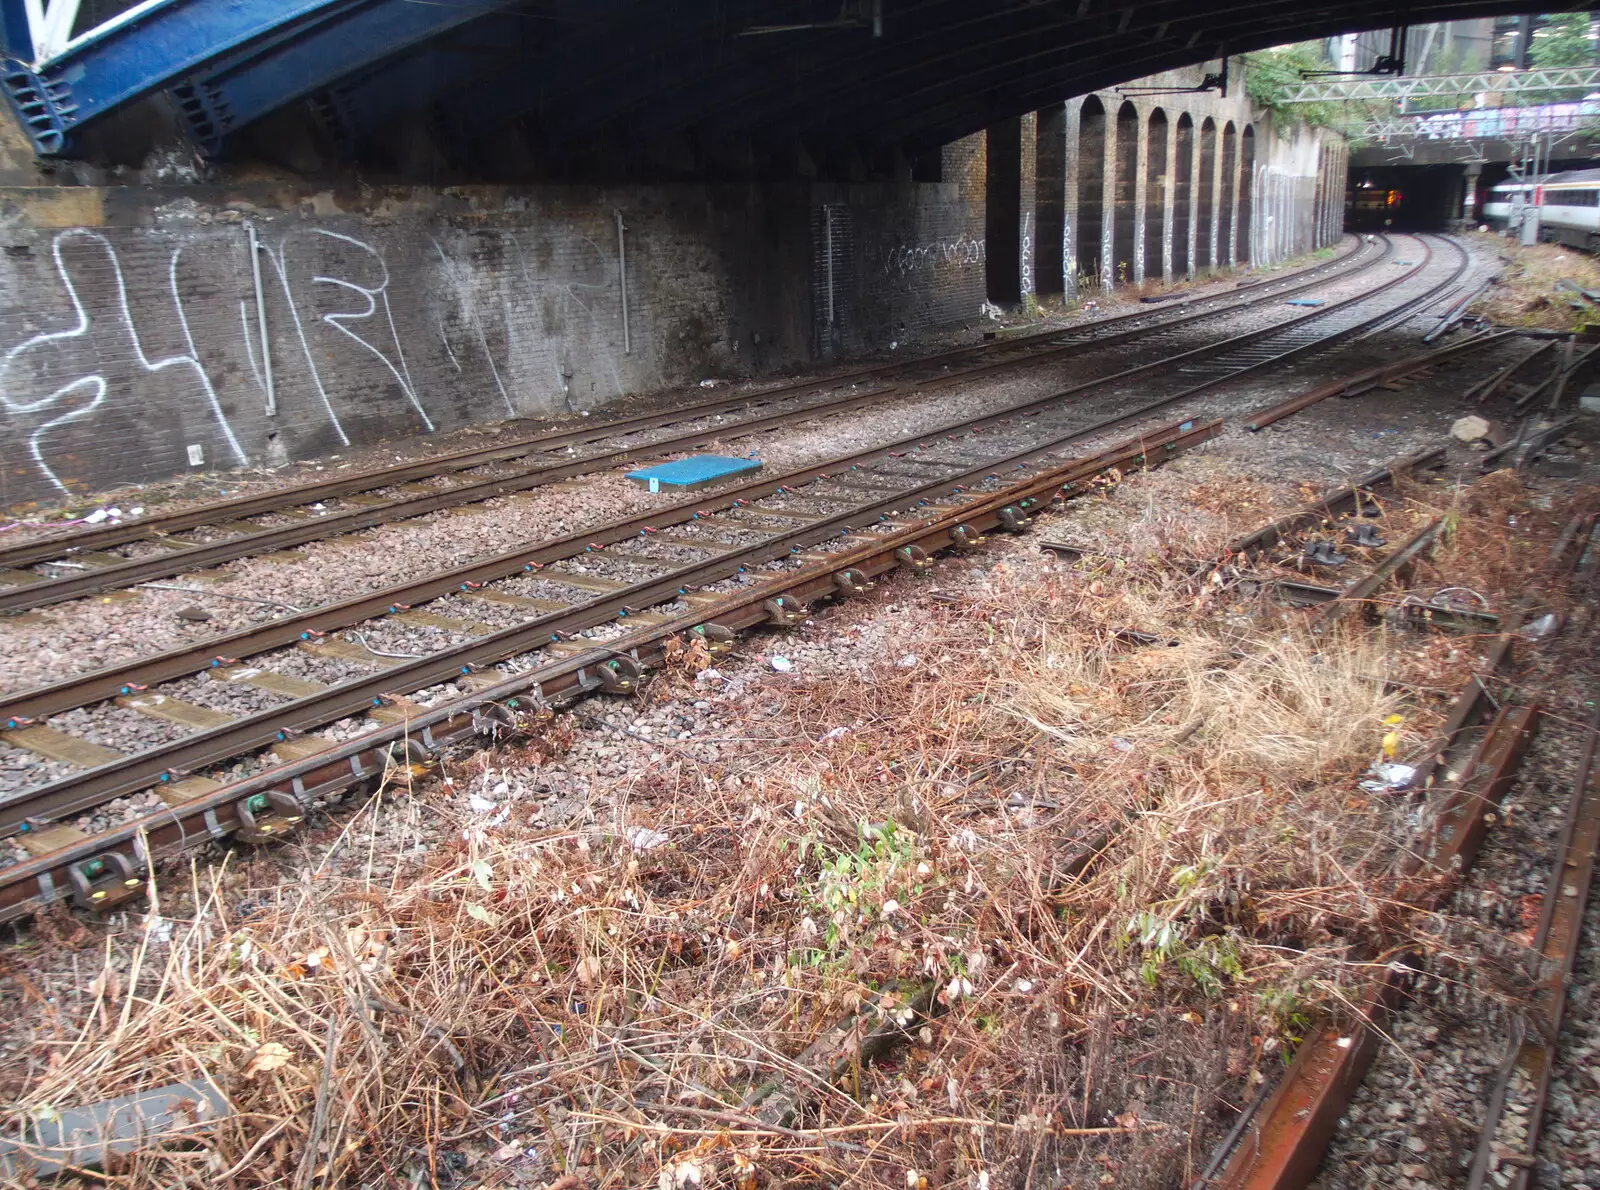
[(694, 472)]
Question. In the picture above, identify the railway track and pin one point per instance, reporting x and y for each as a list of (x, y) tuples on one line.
[(580, 614), (1280, 1140), (58, 568)]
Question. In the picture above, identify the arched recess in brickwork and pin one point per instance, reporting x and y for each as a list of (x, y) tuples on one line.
[(1225, 185), (1155, 191), (1182, 195), (1205, 210), (1124, 228), (1002, 212), (1247, 194), (1050, 155), (1091, 190)]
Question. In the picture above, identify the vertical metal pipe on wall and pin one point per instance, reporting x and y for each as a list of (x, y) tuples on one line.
[(271, 409), (827, 249), (622, 279)]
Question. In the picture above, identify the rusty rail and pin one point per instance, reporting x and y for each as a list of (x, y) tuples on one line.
[(1281, 1149), (1531, 1059), (112, 864), (1331, 503), (1362, 592), (154, 527), (1363, 382), (1282, 1141)]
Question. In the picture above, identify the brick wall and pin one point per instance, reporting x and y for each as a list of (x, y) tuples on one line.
[(129, 339), (918, 253)]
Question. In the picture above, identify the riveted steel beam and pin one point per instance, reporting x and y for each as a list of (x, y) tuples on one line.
[(245, 85), (140, 52)]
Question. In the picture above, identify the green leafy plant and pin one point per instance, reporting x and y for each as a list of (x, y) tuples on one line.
[(853, 888)]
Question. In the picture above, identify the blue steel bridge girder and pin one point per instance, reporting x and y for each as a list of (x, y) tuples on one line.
[(234, 91), (358, 105), (130, 58), (208, 48)]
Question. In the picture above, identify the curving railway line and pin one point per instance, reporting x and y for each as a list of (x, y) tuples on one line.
[(323, 710), (56, 568)]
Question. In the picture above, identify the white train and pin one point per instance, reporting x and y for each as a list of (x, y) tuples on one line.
[(1569, 206)]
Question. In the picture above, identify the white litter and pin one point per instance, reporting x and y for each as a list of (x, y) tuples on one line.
[(642, 838), (95, 517), (782, 664), (1543, 626), (1390, 778), (480, 805)]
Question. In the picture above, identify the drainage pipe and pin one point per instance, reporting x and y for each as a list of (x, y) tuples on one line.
[(261, 324), (622, 274)]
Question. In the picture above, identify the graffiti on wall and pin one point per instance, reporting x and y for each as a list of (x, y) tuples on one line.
[(138, 366), (59, 376), (905, 259), (1027, 252)]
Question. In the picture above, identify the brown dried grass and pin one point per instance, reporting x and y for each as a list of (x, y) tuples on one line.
[(1526, 294), (522, 1004)]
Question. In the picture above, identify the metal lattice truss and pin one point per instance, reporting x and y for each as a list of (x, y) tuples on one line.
[(1507, 123), (577, 75), (1387, 87)]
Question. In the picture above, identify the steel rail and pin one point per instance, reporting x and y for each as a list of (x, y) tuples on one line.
[(113, 862), (1282, 1147), (1284, 1138), (180, 757), (147, 528), (1485, 389), (130, 573), (19, 709), (1364, 382), (1331, 503), (1356, 596), (30, 705), (1531, 1059)]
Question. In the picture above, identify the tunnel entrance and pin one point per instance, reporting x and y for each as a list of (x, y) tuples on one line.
[(1091, 191), (1230, 171), (1124, 226), (1002, 212), (1205, 204), (1155, 192), (1247, 193), (1050, 156), (1182, 191)]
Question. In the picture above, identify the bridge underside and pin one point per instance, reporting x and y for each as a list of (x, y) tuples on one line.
[(622, 87)]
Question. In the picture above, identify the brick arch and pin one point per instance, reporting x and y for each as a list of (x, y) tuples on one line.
[(1183, 196), (1247, 194), (1125, 192), (1205, 207), (1227, 181), (1155, 194), (1091, 189)]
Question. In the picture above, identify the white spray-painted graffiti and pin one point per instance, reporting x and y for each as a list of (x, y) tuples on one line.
[(340, 320), (904, 259), (77, 351), (1027, 252), (323, 288), (462, 285)]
